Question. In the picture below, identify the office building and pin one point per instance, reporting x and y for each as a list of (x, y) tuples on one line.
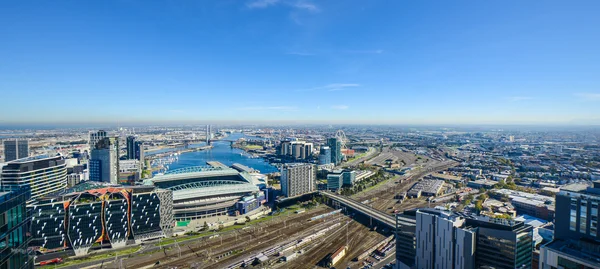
[(349, 177), (42, 174), (15, 149), (339, 178), (335, 181), (112, 216), (406, 241), (576, 241), (15, 228), (336, 150), (324, 155), (104, 161), (297, 179), (95, 137), (502, 243)]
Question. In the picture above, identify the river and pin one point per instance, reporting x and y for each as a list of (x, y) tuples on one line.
[(224, 153)]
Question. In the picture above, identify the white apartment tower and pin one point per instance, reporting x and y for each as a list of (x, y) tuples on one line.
[(297, 179)]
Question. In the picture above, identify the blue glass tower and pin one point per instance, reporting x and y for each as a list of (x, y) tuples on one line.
[(14, 229)]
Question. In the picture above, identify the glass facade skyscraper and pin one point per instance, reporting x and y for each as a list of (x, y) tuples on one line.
[(325, 155), (336, 150), (135, 149), (14, 228)]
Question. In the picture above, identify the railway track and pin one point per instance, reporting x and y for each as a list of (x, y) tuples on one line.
[(250, 242)]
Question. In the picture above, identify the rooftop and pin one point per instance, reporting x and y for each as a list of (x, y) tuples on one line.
[(32, 158), (583, 251)]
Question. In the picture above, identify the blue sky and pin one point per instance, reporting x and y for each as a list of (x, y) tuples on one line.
[(417, 62)]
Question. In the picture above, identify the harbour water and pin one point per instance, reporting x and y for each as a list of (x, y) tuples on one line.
[(224, 153)]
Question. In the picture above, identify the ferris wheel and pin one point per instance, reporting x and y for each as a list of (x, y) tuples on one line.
[(340, 135)]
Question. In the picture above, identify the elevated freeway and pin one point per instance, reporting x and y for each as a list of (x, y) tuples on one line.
[(381, 217)]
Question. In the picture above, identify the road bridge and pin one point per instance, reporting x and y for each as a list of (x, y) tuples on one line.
[(381, 217)]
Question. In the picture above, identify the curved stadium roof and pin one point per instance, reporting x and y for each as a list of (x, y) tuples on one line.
[(204, 181)]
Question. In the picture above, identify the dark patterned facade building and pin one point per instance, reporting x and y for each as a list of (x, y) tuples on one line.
[(113, 216)]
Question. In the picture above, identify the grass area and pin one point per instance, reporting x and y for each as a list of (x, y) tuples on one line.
[(99, 257), (213, 232), (253, 147), (378, 184), (264, 218), (183, 238), (357, 156)]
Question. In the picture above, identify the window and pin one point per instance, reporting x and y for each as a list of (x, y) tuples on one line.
[(573, 218), (583, 217), (594, 219)]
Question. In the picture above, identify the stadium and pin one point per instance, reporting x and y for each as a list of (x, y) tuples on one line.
[(208, 191)]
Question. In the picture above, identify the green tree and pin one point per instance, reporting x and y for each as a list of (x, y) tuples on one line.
[(479, 205)]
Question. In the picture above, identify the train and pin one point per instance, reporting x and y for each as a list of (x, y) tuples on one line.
[(50, 262)]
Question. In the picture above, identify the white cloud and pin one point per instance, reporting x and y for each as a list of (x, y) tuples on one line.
[(588, 96), (303, 5), (340, 107), (262, 3), (278, 108), (332, 87), (519, 98)]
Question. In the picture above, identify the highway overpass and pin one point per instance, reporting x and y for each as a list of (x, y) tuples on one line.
[(381, 217)]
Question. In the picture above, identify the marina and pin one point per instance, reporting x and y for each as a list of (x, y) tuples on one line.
[(200, 154)]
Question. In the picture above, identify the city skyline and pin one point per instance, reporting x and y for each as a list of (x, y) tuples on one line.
[(298, 61)]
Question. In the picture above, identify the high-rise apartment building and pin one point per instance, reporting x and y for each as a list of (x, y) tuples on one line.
[(208, 135), (428, 238), (135, 149), (298, 150), (104, 161), (95, 137), (130, 147), (325, 155), (42, 174), (15, 149), (336, 150), (576, 241), (443, 241), (15, 228), (297, 179)]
